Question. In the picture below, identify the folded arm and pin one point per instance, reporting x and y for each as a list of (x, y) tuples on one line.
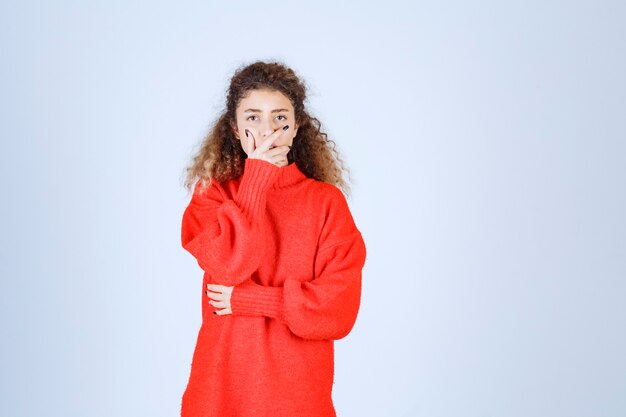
[(326, 306), (224, 235)]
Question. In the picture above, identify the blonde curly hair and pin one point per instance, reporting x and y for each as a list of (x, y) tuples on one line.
[(221, 156)]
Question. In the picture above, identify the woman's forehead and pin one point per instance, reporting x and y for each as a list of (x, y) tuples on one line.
[(265, 100)]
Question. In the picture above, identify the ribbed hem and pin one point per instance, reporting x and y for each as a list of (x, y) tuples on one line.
[(257, 177), (250, 298)]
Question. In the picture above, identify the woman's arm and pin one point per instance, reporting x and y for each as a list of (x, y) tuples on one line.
[(224, 234), (325, 307)]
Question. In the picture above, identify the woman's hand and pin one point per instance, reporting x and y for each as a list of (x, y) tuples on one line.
[(276, 155), (219, 296)]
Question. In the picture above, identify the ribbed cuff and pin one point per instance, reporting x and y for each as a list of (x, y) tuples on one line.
[(257, 177), (250, 298)]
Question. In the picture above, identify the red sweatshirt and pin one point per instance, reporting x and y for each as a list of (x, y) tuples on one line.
[(290, 247)]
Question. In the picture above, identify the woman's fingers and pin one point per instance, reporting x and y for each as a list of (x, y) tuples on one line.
[(216, 294), (278, 155), (220, 304), (269, 141), (216, 287), (219, 297), (279, 152), (268, 152), (250, 139)]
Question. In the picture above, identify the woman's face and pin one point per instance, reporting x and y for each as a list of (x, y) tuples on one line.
[(262, 112)]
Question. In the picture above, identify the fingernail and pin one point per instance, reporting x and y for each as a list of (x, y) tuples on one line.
[(286, 127)]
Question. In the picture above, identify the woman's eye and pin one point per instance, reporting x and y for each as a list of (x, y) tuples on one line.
[(280, 115)]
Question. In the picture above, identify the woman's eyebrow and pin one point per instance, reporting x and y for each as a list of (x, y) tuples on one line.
[(259, 111)]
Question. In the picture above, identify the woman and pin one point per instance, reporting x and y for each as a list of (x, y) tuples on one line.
[(281, 255)]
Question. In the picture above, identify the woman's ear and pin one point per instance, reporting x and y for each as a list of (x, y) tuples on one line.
[(235, 132)]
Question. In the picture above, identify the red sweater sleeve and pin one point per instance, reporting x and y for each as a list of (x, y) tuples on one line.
[(224, 234), (325, 307)]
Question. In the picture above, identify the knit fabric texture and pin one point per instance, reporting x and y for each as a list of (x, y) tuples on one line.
[(290, 248)]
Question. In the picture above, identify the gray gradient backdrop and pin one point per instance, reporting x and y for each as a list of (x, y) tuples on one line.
[(487, 148)]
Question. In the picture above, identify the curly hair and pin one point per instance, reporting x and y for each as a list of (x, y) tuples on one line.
[(221, 156)]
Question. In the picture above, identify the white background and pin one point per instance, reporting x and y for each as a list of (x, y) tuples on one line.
[(486, 142)]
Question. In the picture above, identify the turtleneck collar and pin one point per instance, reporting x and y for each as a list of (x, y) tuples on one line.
[(287, 175)]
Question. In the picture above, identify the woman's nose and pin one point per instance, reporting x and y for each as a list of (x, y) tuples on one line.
[(268, 127), (266, 130)]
